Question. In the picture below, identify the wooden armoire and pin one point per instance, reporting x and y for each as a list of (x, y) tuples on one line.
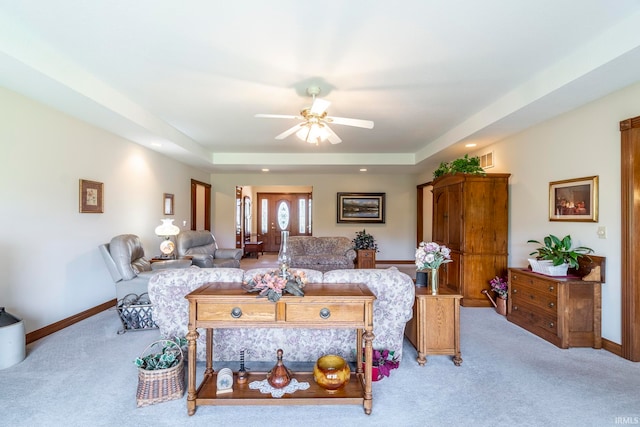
[(471, 217)]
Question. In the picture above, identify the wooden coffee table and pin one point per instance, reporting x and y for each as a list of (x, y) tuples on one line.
[(324, 306)]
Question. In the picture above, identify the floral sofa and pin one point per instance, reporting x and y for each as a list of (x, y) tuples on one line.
[(392, 309), (321, 253)]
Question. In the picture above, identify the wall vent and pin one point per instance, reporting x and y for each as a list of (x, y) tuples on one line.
[(486, 160)]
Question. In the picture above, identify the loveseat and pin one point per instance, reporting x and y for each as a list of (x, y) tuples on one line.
[(393, 307), (321, 253)]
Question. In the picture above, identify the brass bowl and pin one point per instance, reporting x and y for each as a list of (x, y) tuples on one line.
[(331, 372)]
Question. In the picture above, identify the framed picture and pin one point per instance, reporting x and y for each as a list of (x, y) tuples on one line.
[(361, 207), (91, 196), (167, 203), (574, 200)]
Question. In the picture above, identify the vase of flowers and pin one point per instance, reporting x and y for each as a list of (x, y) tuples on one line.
[(429, 257), (274, 283)]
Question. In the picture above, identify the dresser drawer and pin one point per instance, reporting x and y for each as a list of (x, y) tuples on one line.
[(246, 312), (533, 283), (296, 312), (534, 297), (534, 318)]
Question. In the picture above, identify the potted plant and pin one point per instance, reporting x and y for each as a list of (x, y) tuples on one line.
[(364, 240), (383, 362), (366, 248), (556, 252), (466, 164)]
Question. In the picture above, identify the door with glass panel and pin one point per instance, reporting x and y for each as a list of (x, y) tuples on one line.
[(278, 212)]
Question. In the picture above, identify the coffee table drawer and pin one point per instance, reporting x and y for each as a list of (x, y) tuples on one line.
[(245, 312), (296, 312)]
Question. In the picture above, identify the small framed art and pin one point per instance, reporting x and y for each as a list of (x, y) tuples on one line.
[(361, 207), (91, 196), (167, 203), (574, 200)]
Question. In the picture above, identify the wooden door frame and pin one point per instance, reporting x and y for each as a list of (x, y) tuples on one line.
[(207, 204), (630, 246)]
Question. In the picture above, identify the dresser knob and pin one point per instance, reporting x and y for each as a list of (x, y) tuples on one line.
[(551, 325), (515, 308), (236, 312), (515, 291), (325, 313), (551, 288), (551, 305)]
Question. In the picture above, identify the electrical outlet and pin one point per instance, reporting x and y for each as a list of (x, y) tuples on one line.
[(602, 232)]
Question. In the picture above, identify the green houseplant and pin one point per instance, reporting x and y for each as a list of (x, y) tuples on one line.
[(364, 240), (466, 164), (559, 251)]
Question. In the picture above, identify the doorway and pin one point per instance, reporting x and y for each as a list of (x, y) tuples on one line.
[(279, 212), (200, 205)]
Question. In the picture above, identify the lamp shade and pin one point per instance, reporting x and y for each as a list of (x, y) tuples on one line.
[(167, 228)]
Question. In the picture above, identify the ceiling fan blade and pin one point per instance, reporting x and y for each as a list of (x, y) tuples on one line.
[(367, 124), (290, 131), (332, 137), (276, 116), (319, 106)]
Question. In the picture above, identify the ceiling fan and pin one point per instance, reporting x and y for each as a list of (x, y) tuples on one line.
[(314, 127)]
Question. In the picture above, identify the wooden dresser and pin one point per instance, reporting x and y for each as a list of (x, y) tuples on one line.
[(562, 310), (471, 217)]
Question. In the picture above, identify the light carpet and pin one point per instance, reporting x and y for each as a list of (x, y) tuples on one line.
[(84, 376)]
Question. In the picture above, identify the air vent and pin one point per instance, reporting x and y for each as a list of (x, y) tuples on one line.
[(486, 160)]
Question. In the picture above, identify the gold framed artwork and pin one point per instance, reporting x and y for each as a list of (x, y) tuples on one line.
[(91, 196), (574, 200), (167, 203)]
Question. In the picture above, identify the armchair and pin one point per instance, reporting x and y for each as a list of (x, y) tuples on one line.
[(202, 247), (129, 269)]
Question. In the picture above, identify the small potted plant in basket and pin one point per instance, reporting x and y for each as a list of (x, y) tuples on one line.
[(366, 248), (161, 374)]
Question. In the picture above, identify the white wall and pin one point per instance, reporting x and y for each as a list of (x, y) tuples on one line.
[(396, 238), (51, 267), (581, 143)]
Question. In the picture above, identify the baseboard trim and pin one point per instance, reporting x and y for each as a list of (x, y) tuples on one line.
[(58, 326), (612, 347), (387, 261)]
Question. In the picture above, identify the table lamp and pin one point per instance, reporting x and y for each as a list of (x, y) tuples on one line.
[(166, 230)]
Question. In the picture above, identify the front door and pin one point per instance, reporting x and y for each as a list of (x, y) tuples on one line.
[(279, 212)]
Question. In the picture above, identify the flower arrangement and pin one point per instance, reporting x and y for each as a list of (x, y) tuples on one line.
[(432, 255), (273, 284), (499, 285)]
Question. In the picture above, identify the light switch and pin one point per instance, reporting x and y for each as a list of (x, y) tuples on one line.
[(602, 232)]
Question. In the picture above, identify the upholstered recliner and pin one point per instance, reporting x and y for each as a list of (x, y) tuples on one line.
[(130, 270), (202, 247)]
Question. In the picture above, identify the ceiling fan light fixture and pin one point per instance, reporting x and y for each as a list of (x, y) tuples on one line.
[(313, 133)]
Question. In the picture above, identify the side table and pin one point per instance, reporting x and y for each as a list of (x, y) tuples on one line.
[(253, 248), (435, 326)]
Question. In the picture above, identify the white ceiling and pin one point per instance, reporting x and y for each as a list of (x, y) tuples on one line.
[(431, 74)]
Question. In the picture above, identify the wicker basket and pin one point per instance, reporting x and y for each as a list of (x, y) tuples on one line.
[(136, 313), (160, 385), (547, 268)]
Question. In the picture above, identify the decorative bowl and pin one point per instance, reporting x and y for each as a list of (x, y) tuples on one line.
[(331, 372)]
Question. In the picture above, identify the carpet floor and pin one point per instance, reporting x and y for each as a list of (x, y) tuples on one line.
[(84, 376)]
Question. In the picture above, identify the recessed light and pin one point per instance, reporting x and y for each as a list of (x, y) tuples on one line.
[(156, 144), (363, 169), (470, 145), (265, 170)]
